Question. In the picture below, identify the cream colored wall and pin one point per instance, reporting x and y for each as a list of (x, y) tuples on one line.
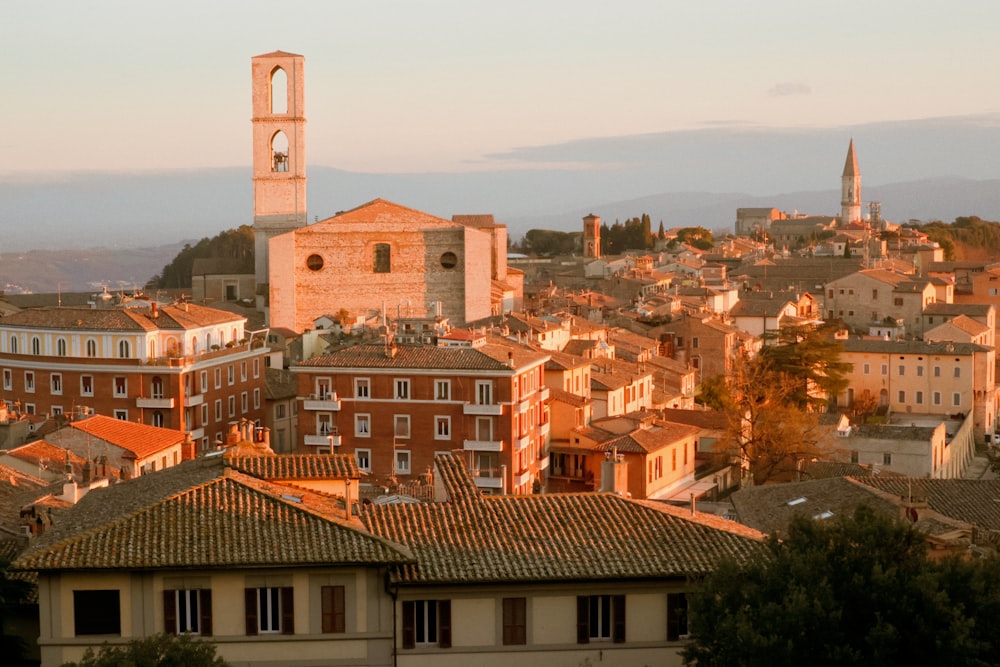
[(474, 622), (552, 620)]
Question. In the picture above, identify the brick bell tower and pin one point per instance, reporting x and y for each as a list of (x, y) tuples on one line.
[(592, 236), (279, 155), (850, 189)]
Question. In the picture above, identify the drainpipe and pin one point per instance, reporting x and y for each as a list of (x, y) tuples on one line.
[(393, 591)]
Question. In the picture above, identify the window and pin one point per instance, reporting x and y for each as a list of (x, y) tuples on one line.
[(231, 374), (364, 459), (382, 258), (937, 371), (484, 393), (515, 623), (362, 388), (256, 368), (484, 429), (124, 349), (243, 371), (936, 396), (36, 345), (854, 456), (919, 400), (55, 382), (898, 301), (874, 294), (218, 409), (600, 618), (204, 381), (256, 399), (920, 371), (442, 428), (362, 426), (232, 406), (8, 379), (218, 378), (902, 396), (902, 370), (324, 423), (269, 610), (401, 426), (279, 411), (187, 611), (13, 344), (333, 609), (244, 402), (887, 458), (204, 414), (956, 399), (121, 414), (427, 623), (156, 387), (120, 386), (402, 389), (61, 347), (96, 612), (158, 418), (677, 616), (402, 463), (29, 381), (694, 342), (885, 369), (867, 369), (442, 390), (958, 371)]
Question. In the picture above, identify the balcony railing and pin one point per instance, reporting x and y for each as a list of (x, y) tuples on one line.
[(156, 403), (484, 445), (191, 401), (486, 409), (322, 440), (487, 478), (326, 402)]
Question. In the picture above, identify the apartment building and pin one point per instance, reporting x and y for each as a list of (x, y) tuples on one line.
[(183, 366), (395, 406), (868, 297)]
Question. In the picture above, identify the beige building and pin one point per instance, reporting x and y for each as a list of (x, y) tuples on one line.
[(868, 297)]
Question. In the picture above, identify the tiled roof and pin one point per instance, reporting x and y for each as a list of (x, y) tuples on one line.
[(379, 211), (571, 537), (490, 357), (880, 346), (42, 453), (200, 515), (297, 466), (970, 309), (182, 316), (975, 501), (708, 419), (963, 323), (140, 439), (568, 397), (280, 384)]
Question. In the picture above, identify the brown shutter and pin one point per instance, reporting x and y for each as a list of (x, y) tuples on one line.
[(618, 619), (582, 619), (339, 609), (205, 612), (514, 621), (169, 612), (676, 616), (444, 623), (333, 608), (250, 600), (409, 631), (287, 610)]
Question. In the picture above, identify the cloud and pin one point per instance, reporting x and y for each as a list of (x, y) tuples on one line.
[(789, 88)]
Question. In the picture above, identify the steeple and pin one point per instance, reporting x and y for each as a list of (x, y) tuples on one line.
[(850, 189)]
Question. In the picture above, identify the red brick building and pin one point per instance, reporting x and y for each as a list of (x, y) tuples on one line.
[(183, 367), (395, 407)]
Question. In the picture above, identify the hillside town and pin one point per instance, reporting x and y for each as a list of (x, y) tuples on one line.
[(396, 442)]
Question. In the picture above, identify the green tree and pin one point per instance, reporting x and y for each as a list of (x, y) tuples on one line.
[(854, 590), (15, 593), (156, 651), (699, 237), (237, 244), (809, 357)]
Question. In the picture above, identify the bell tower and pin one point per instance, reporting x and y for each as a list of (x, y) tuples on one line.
[(279, 154), (850, 189), (592, 236)]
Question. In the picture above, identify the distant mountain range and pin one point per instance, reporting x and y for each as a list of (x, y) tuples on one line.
[(89, 224)]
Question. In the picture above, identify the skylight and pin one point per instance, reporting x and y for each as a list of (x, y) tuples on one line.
[(797, 501)]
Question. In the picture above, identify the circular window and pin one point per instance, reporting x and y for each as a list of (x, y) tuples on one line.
[(314, 262), (449, 260)]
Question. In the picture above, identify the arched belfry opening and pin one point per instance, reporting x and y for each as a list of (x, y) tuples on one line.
[(279, 91), (279, 151)]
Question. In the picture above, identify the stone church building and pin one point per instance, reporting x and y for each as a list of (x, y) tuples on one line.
[(380, 257)]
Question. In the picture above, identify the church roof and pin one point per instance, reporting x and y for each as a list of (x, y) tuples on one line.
[(379, 211), (851, 165)]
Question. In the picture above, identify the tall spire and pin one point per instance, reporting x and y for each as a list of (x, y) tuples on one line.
[(850, 189)]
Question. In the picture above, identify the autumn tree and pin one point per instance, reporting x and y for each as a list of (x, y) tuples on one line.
[(852, 590)]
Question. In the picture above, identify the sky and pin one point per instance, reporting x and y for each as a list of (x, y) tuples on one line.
[(414, 86)]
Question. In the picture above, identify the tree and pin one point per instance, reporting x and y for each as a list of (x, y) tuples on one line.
[(810, 357), (237, 244), (854, 590), (15, 593), (155, 651)]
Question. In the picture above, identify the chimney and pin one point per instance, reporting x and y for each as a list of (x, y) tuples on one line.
[(510, 359), (154, 310), (187, 448)]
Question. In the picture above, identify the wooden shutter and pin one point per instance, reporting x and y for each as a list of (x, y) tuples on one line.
[(205, 612), (514, 621), (582, 619), (287, 610), (170, 612), (676, 616), (409, 631), (444, 623), (333, 613), (250, 600), (618, 618)]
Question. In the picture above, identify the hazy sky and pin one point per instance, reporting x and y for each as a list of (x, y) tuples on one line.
[(439, 85)]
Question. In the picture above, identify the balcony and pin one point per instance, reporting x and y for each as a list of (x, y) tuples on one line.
[(487, 478), (543, 429), (197, 434), (191, 401), (543, 461), (155, 403), (325, 402), (523, 478), (483, 445), (490, 409), (323, 440), (521, 443), (543, 394)]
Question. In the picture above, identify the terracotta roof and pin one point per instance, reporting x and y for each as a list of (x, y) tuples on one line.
[(297, 466), (182, 316), (45, 453), (280, 384), (199, 514), (706, 419), (972, 500), (140, 439), (568, 397), (490, 357), (880, 346), (970, 309), (571, 537)]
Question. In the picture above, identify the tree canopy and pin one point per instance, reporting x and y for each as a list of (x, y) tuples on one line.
[(634, 234), (236, 244), (699, 237), (853, 590), (966, 236), (156, 651), (547, 242)]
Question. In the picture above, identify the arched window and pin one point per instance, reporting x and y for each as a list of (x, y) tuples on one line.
[(279, 152), (382, 258), (36, 345), (279, 91), (158, 419), (235, 335), (91, 347), (157, 387), (152, 349), (208, 341), (194, 345), (124, 350), (61, 347), (172, 350), (13, 344)]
